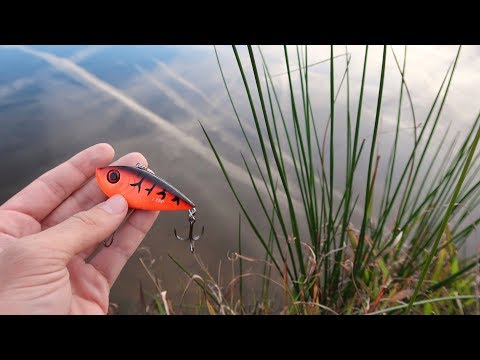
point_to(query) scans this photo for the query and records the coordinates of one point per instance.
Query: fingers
(17, 224)
(88, 195)
(84, 229)
(110, 261)
(48, 191)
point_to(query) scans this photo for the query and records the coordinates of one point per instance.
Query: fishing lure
(146, 191)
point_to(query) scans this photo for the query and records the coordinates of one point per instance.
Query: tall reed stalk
(404, 246)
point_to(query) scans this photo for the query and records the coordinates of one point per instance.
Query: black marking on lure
(150, 190)
(139, 184)
(177, 200)
(160, 182)
(163, 193)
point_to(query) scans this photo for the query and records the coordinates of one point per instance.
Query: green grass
(402, 256)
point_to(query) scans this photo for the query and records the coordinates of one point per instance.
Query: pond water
(58, 100)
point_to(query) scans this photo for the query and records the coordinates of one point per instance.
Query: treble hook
(191, 238)
(109, 242)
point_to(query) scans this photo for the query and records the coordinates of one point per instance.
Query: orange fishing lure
(145, 191)
(141, 188)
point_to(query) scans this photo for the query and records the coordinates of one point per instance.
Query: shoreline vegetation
(401, 257)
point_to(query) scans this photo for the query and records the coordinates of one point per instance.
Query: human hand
(49, 228)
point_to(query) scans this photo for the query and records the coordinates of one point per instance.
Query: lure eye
(113, 176)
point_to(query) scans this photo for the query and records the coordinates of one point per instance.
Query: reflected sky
(58, 100)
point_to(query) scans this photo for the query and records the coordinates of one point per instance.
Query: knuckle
(56, 187)
(138, 226)
(84, 219)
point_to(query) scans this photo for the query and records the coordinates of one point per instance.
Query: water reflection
(58, 100)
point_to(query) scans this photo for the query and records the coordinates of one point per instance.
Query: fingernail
(114, 205)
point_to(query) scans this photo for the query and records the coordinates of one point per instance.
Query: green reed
(404, 249)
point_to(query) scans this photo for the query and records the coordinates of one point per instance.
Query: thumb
(87, 228)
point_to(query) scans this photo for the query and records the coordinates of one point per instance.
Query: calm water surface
(58, 100)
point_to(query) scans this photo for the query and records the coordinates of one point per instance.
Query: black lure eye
(113, 176)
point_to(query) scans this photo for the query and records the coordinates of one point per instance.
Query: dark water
(58, 100)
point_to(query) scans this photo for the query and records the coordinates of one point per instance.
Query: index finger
(44, 194)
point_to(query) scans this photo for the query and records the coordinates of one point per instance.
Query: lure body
(141, 188)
